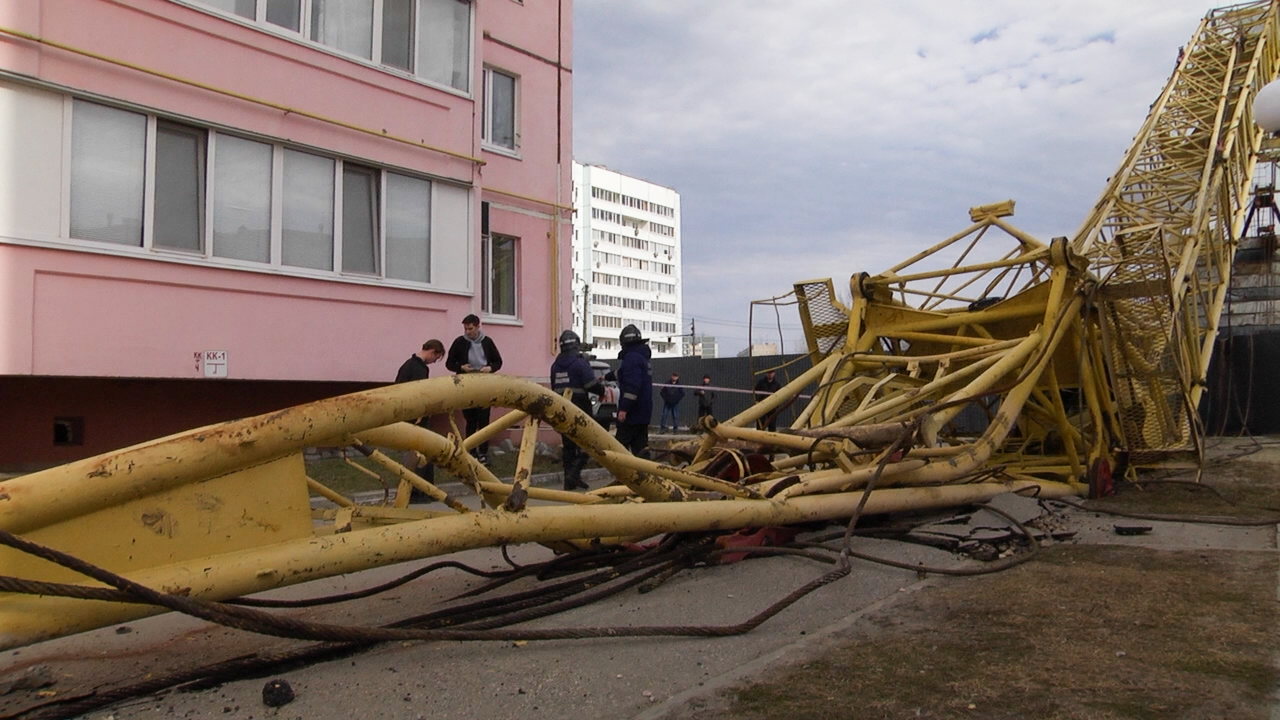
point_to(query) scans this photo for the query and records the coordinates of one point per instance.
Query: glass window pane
(408, 228)
(502, 98)
(243, 8)
(397, 33)
(359, 219)
(285, 13)
(108, 164)
(444, 42)
(307, 222)
(346, 25)
(179, 221)
(242, 199)
(499, 291)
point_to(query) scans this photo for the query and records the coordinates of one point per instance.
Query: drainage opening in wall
(68, 431)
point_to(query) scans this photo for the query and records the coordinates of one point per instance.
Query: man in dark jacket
(474, 352)
(672, 394)
(635, 387)
(572, 372)
(765, 387)
(706, 397)
(417, 367)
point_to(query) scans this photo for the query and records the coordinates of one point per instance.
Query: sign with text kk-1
(214, 362)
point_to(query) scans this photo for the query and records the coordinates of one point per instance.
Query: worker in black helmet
(635, 386)
(572, 372)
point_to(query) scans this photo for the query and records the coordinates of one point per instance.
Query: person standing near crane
(572, 372)
(635, 383)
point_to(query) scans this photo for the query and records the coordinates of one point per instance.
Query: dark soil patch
(1081, 632)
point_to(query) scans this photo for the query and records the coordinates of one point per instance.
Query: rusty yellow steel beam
(29, 619)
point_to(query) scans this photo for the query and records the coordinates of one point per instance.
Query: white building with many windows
(626, 260)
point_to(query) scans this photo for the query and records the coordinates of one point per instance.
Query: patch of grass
(1084, 632)
(338, 475)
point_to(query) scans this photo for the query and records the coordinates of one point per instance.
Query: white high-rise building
(626, 260)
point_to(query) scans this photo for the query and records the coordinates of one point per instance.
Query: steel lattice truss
(1163, 234)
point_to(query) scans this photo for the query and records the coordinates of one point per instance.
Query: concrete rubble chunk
(992, 535)
(984, 526)
(1023, 509)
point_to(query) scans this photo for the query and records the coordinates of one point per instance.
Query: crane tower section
(1162, 237)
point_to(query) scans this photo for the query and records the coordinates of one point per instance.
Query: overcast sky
(819, 138)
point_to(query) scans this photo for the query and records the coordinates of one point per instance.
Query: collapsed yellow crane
(991, 362)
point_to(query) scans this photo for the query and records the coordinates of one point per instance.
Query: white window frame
(486, 130)
(68, 165)
(303, 35)
(487, 283)
(274, 263)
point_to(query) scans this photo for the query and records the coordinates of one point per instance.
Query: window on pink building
(307, 211)
(241, 199)
(345, 25)
(180, 173)
(427, 38)
(285, 13)
(408, 228)
(360, 220)
(397, 34)
(219, 196)
(444, 42)
(499, 127)
(108, 165)
(498, 278)
(243, 8)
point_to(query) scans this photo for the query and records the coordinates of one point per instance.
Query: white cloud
(811, 138)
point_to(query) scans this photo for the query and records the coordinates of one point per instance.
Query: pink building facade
(216, 208)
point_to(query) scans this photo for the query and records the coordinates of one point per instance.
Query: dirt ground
(1082, 632)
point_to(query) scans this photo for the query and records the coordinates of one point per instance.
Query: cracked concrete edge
(756, 666)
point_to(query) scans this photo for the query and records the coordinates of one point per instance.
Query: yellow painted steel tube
(971, 458)
(443, 451)
(924, 391)
(77, 488)
(524, 466)
(979, 318)
(1010, 362)
(795, 443)
(877, 360)
(410, 479)
(333, 497)
(32, 619)
(501, 489)
(1030, 256)
(976, 454)
(784, 395)
(939, 246)
(488, 432)
(697, 480)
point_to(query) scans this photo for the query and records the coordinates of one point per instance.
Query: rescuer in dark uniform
(635, 383)
(571, 371)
